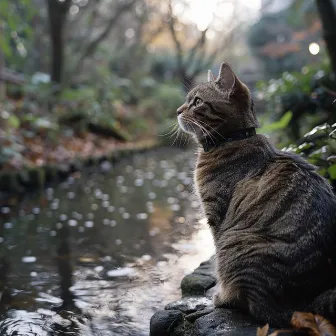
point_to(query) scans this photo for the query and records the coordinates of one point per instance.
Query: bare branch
(178, 45)
(91, 47)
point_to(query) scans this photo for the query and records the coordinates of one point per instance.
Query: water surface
(101, 252)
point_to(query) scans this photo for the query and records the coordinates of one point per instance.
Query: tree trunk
(57, 12)
(328, 18)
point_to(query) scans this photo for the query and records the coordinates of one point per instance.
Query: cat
(272, 216)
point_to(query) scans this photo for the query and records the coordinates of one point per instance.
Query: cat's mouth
(185, 125)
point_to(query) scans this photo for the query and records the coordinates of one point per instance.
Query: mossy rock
(109, 131)
(196, 284)
(10, 182)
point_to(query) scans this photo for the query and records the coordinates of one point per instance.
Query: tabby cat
(273, 218)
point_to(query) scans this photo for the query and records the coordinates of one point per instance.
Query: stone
(190, 304)
(197, 314)
(205, 269)
(196, 284)
(163, 322)
(226, 322)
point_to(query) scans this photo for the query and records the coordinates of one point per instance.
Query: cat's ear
(226, 78)
(211, 77)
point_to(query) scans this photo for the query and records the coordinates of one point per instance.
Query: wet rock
(163, 322)
(197, 314)
(225, 322)
(196, 284)
(190, 304)
(206, 268)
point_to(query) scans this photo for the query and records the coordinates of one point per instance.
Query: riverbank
(195, 315)
(31, 177)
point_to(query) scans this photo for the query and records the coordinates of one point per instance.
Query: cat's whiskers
(176, 133)
(172, 132)
(205, 130)
(202, 128)
(212, 128)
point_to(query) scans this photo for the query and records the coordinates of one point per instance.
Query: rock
(206, 268)
(163, 322)
(190, 304)
(226, 322)
(194, 316)
(196, 284)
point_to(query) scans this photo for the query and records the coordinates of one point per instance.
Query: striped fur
(273, 218)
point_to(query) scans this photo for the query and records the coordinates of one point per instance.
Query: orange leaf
(315, 325)
(263, 331)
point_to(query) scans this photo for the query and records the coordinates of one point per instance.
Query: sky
(202, 12)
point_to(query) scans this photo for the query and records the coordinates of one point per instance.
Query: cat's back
(288, 193)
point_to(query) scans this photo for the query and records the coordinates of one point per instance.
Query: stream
(102, 251)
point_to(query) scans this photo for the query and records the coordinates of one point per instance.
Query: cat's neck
(223, 167)
(236, 159)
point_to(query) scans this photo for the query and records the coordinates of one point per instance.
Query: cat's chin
(185, 126)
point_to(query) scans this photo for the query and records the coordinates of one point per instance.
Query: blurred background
(98, 219)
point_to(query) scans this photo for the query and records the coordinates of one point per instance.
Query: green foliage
(319, 148)
(290, 82)
(278, 125)
(297, 101)
(16, 30)
(164, 101)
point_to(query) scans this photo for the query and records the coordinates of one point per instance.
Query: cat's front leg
(225, 297)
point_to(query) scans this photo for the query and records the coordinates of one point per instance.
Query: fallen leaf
(263, 331)
(315, 325)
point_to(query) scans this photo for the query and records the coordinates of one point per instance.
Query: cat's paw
(220, 303)
(217, 300)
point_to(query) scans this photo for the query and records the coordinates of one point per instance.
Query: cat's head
(218, 107)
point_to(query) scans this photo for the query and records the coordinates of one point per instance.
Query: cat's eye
(198, 101)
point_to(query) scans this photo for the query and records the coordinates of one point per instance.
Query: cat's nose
(181, 109)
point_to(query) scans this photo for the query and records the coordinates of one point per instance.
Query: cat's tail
(270, 312)
(325, 305)
(267, 311)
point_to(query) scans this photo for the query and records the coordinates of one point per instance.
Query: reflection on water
(99, 254)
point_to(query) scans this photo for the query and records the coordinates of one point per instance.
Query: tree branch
(178, 45)
(91, 47)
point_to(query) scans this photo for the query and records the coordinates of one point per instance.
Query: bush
(319, 147)
(308, 96)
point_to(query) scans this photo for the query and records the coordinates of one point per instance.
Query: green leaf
(14, 121)
(278, 125)
(332, 171)
(4, 47)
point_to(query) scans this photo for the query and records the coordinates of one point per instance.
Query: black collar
(245, 133)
